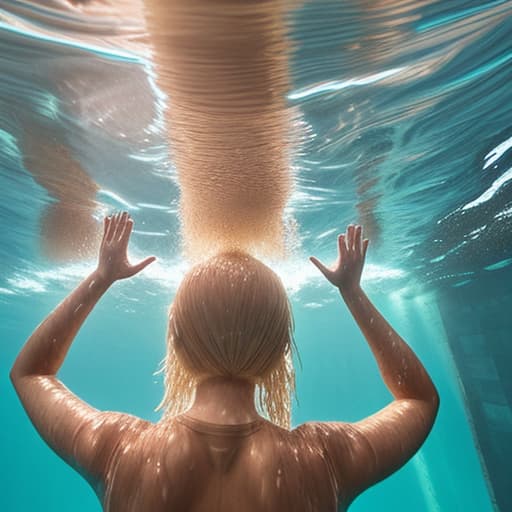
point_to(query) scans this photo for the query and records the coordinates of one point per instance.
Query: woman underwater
(229, 334)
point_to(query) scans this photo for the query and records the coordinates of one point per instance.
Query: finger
(135, 269)
(350, 237)
(325, 271)
(357, 239)
(115, 222)
(120, 225)
(111, 228)
(127, 230)
(365, 247)
(342, 246)
(123, 220)
(106, 223)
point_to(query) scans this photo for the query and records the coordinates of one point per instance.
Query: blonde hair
(231, 317)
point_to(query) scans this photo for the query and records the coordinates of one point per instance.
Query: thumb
(325, 271)
(135, 269)
(365, 247)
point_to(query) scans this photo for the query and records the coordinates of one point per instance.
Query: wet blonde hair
(231, 317)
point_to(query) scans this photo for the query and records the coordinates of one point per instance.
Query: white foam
(338, 85)
(295, 274)
(496, 153)
(489, 193)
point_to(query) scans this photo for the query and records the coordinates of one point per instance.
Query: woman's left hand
(113, 261)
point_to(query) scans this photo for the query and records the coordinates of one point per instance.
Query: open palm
(113, 261)
(346, 271)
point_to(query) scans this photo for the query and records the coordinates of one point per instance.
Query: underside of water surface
(392, 114)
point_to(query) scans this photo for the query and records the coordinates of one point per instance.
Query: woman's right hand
(345, 274)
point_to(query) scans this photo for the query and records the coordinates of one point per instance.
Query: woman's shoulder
(320, 428)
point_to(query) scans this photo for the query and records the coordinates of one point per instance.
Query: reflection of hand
(113, 261)
(346, 272)
(94, 4)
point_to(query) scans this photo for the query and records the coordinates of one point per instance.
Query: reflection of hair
(231, 317)
(69, 231)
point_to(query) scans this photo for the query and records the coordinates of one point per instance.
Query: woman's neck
(224, 400)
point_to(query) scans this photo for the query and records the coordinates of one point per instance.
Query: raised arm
(78, 433)
(369, 450)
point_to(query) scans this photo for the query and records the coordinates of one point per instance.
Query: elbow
(19, 370)
(436, 401)
(18, 380)
(13, 376)
(14, 380)
(431, 398)
(427, 409)
(434, 397)
(432, 406)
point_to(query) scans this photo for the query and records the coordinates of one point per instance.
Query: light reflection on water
(406, 119)
(406, 106)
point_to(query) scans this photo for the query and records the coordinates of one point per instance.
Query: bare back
(190, 465)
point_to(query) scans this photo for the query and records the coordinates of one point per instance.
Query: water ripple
(405, 109)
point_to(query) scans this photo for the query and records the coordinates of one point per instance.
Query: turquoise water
(111, 364)
(407, 109)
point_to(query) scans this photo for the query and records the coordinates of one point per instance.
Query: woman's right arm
(368, 451)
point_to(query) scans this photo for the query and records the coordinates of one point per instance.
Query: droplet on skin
(77, 309)
(92, 283)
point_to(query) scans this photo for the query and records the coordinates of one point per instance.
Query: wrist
(101, 279)
(350, 291)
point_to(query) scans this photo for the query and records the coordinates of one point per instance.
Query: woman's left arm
(80, 434)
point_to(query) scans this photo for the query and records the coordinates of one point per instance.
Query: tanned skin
(327, 464)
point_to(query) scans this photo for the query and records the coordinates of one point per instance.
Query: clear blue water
(408, 109)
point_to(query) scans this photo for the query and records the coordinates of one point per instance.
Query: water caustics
(393, 113)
